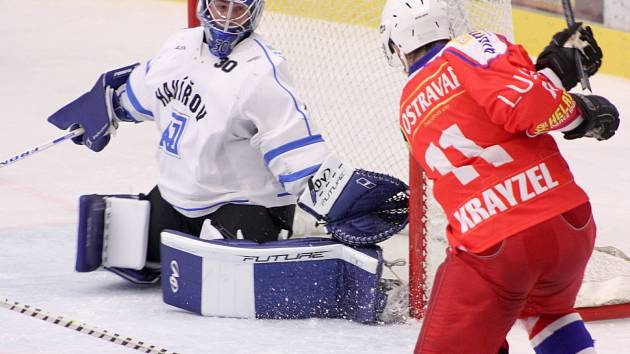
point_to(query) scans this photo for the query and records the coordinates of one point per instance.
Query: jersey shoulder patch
(478, 48)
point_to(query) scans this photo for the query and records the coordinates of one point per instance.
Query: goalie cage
(333, 50)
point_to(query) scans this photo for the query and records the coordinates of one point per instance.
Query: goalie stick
(33, 151)
(83, 328)
(569, 16)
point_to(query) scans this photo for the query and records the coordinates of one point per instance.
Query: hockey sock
(560, 334)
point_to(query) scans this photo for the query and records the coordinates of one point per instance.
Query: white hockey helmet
(412, 24)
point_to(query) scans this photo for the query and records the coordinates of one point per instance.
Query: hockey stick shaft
(33, 151)
(570, 17)
(109, 336)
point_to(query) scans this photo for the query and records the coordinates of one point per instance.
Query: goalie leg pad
(113, 231)
(90, 233)
(560, 334)
(287, 279)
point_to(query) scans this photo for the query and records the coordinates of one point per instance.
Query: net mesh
(335, 57)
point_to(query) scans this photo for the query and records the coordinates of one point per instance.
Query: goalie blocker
(287, 279)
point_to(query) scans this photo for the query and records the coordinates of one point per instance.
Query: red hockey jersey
(476, 115)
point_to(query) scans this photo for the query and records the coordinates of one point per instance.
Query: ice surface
(51, 52)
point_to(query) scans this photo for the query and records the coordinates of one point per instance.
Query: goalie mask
(227, 22)
(412, 24)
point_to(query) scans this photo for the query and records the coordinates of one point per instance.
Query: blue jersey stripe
(275, 76)
(128, 117)
(146, 71)
(135, 103)
(213, 205)
(273, 153)
(299, 174)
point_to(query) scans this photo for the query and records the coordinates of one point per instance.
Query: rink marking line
(104, 334)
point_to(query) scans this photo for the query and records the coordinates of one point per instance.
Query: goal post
(192, 13)
(418, 291)
(333, 52)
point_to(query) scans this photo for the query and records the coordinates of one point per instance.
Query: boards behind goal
(334, 55)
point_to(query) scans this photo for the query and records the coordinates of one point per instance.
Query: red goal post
(337, 68)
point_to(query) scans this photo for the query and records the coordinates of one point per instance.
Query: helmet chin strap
(405, 63)
(403, 59)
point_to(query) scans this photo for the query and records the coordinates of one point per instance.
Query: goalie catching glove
(358, 207)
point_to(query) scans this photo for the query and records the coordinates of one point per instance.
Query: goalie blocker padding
(113, 232)
(289, 279)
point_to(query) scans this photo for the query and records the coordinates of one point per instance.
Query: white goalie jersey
(232, 130)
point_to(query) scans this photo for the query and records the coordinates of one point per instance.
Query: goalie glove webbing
(373, 216)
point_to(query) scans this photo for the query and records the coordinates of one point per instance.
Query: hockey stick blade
(103, 334)
(33, 151)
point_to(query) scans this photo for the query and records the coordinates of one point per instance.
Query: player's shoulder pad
(478, 47)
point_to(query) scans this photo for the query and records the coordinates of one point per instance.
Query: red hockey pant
(476, 298)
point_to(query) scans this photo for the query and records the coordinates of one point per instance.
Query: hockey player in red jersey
(477, 113)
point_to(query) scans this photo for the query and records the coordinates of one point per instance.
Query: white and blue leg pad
(288, 279)
(113, 232)
(564, 335)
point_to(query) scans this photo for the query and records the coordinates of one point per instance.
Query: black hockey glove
(601, 118)
(559, 55)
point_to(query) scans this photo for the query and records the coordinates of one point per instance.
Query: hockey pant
(476, 298)
(253, 222)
